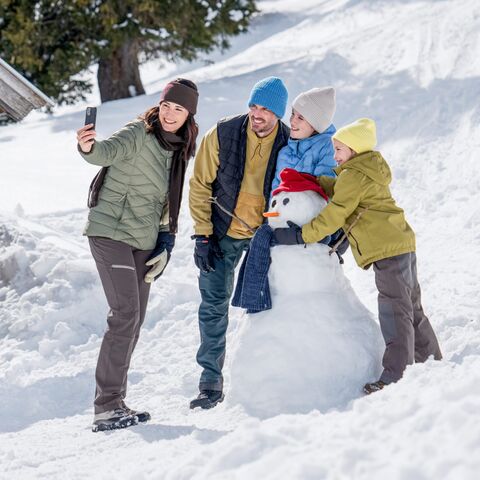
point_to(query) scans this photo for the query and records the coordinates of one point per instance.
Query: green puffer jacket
(133, 200)
(362, 186)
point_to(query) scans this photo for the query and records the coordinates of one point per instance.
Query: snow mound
(49, 292)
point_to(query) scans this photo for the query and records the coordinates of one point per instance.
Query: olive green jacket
(362, 185)
(133, 201)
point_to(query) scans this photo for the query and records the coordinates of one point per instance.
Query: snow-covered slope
(413, 66)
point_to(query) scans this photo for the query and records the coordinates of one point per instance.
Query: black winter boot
(207, 399)
(373, 387)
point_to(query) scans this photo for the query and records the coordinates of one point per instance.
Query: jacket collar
(371, 164)
(299, 147)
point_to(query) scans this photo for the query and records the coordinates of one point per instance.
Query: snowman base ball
(316, 347)
(318, 344)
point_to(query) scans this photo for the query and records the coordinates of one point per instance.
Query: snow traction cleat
(114, 424)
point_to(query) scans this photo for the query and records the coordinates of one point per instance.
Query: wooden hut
(18, 96)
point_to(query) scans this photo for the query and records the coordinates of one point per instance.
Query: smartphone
(91, 116)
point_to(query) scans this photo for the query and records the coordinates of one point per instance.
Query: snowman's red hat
(293, 181)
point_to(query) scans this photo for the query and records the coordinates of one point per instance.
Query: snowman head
(298, 199)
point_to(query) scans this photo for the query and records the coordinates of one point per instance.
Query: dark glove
(206, 249)
(326, 240)
(160, 256)
(288, 236)
(343, 247)
(165, 241)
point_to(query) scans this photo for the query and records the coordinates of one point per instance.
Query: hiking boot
(207, 399)
(113, 420)
(142, 416)
(373, 387)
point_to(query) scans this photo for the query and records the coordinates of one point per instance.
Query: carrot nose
(271, 214)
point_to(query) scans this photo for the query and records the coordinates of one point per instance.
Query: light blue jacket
(312, 155)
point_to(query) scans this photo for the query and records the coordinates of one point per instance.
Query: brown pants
(406, 330)
(121, 269)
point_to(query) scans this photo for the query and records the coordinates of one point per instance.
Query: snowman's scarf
(253, 291)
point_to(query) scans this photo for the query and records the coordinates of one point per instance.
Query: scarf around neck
(173, 143)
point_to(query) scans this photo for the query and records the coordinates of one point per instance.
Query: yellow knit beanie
(360, 136)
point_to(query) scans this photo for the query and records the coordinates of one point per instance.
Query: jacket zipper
(124, 201)
(358, 246)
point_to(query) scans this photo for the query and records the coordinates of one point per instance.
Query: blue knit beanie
(270, 93)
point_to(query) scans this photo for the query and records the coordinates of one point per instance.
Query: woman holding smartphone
(131, 229)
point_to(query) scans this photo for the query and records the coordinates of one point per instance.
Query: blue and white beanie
(270, 93)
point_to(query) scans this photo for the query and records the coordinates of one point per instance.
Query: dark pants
(121, 269)
(406, 330)
(216, 288)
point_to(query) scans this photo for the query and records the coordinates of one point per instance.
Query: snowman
(318, 344)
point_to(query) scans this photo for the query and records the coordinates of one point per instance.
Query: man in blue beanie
(235, 164)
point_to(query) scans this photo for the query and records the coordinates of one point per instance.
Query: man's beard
(262, 127)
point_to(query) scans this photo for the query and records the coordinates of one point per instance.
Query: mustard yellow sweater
(251, 202)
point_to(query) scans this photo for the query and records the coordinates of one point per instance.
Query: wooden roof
(18, 96)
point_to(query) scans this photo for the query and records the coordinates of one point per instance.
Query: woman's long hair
(188, 131)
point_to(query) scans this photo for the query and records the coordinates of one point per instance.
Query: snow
(412, 65)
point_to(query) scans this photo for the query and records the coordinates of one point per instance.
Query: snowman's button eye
(286, 200)
(274, 203)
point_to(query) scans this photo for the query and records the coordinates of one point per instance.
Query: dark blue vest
(232, 140)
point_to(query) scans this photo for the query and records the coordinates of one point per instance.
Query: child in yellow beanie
(362, 204)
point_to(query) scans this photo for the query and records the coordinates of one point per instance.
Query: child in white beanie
(379, 235)
(309, 148)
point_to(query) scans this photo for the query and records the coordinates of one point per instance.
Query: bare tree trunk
(119, 76)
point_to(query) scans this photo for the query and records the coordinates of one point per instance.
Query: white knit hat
(317, 107)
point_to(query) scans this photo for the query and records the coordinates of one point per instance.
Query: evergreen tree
(49, 42)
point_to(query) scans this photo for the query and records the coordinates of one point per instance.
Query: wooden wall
(17, 95)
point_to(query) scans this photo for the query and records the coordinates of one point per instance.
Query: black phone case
(91, 116)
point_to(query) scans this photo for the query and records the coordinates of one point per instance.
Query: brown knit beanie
(183, 92)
